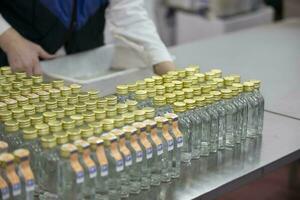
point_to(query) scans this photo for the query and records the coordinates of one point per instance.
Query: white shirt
(131, 28)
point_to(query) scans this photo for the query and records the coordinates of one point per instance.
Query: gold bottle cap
(139, 115)
(256, 83)
(36, 119)
(209, 98)
(76, 88)
(6, 86)
(150, 82)
(54, 93)
(178, 84)
(112, 100)
(70, 110)
(6, 116)
(10, 77)
(187, 83)
(78, 119)
(161, 121)
(93, 94)
(65, 91)
(200, 101)
(179, 107)
(88, 116)
(149, 112)
(190, 71)
(140, 126)
(219, 81)
(122, 108)
(21, 155)
(206, 89)
(46, 86)
(239, 86)
(170, 87)
(80, 107)
(228, 80)
(181, 74)
(68, 123)
(188, 93)
(83, 97)
(99, 114)
(72, 100)
(226, 93)
(132, 105)
(217, 72)
(22, 101)
(17, 84)
(160, 101)
(132, 87)
(179, 95)
(11, 103)
(195, 67)
(60, 113)
(119, 133)
(111, 111)
(18, 113)
(151, 92)
(91, 105)
(190, 103)
(81, 145)
(141, 85)
(3, 146)
(234, 91)
(171, 117)
(248, 86)
(158, 80)
(33, 98)
(49, 116)
(194, 80)
(74, 134)
(173, 74)
(197, 90)
(160, 89)
(61, 137)
(108, 139)
(236, 78)
(170, 98)
(128, 118)
(51, 104)
(108, 124)
(42, 129)
(119, 121)
(102, 103)
(20, 75)
(217, 95)
(141, 95)
(167, 78)
(35, 88)
(14, 93)
(40, 107)
(213, 85)
(66, 150)
(55, 126)
(97, 127)
(29, 133)
(3, 95)
(122, 89)
(3, 107)
(95, 142)
(48, 141)
(129, 130)
(24, 122)
(58, 83)
(37, 78)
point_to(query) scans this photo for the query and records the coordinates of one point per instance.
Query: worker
(35, 30)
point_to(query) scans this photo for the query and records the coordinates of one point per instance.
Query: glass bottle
(25, 174)
(184, 124)
(4, 117)
(127, 158)
(4, 189)
(230, 117)
(12, 135)
(261, 106)
(148, 154)
(141, 98)
(137, 158)
(116, 166)
(178, 143)
(161, 106)
(122, 93)
(168, 146)
(49, 168)
(8, 172)
(71, 174)
(99, 156)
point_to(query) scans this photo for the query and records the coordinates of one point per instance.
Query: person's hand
(22, 54)
(164, 67)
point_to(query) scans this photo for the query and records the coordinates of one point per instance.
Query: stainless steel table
(270, 53)
(219, 173)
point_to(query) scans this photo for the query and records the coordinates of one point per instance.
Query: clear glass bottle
(147, 152)
(127, 158)
(261, 104)
(89, 168)
(178, 143)
(137, 158)
(142, 99)
(4, 117)
(116, 166)
(12, 135)
(8, 172)
(71, 174)
(161, 106)
(49, 168)
(99, 156)
(185, 127)
(122, 93)
(230, 117)
(25, 173)
(168, 146)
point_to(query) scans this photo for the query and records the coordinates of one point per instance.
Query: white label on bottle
(139, 156)
(30, 185)
(170, 145)
(93, 172)
(5, 193)
(160, 149)
(16, 189)
(128, 160)
(179, 142)
(149, 153)
(79, 177)
(104, 170)
(119, 166)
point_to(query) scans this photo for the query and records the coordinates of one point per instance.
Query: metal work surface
(211, 176)
(269, 53)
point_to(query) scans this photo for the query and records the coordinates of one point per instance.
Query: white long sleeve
(131, 26)
(3, 25)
